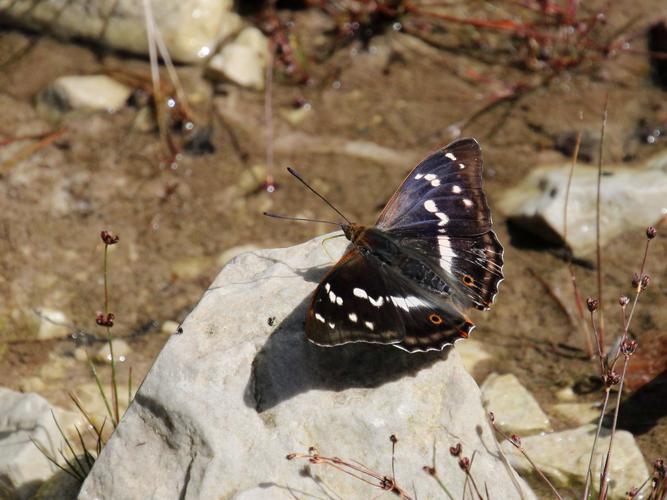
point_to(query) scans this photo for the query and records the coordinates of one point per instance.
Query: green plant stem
(114, 382)
(589, 473)
(597, 226)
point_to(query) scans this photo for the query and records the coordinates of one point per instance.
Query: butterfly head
(352, 231)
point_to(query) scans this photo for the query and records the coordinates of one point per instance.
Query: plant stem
(114, 382)
(595, 442)
(597, 225)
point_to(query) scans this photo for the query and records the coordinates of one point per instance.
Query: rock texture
(244, 60)
(563, 457)
(240, 388)
(631, 198)
(190, 28)
(26, 417)
(94, 92)
(515, 408)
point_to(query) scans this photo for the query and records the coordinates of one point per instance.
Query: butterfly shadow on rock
(288, 364)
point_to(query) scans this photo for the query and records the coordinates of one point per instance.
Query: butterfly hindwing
(347, 306)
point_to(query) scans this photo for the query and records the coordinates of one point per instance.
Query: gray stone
(578, 413)
(26, 417)
(631, 198)
(515, 409)
(563, 457)
(241, 387)
(190, 28)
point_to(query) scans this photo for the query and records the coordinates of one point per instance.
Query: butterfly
(407, 280)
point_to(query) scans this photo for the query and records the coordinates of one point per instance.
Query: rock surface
(190, 28)
(244, 60)
(24, 417)
(515, 408)
(631, 198)
(240, 388)
(563, 457)
(95, 92)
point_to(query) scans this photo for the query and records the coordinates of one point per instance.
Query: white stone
(515, 409)
(24, 417)
(190, 28)
(169, 327)
(631, 198)
(578, 413)
(95, 92)
(231, 253)
(244, 60)
(52, 324)
(121, 351)
(563, 457)
(241, 387)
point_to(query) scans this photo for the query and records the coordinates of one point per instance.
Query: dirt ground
(175, 221)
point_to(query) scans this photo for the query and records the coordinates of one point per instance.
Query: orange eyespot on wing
(436, 319)
(468, 280)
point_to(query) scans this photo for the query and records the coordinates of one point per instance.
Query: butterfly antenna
(276, 216)
(300, 179)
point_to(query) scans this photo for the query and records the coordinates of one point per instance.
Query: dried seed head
(516, 440)
(291, 456)
(103, 320)
(651, 232)
(492, 417)
(464, 463)
(456, 449)
(393, 439)
(109, 238)
(645, 281)
(612, 378)
(623, 300)
(592, 304)
(660, 468)
(429, 470)
(628, 347)
(635, 280)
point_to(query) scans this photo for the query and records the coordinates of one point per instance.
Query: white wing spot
(332, 325)
(332, 297)
(467, 202)
(443, 218)
(419, 176)
(446, 253)
(435, 183)
(430, 177)
(450, 156)
(400, 302)
(369, 325)
(456, 189)
(318, 317)
(339, 301)
(327, 287)
(353, 317)
(430, 206)
(360, 292)
(376, 303)
(462, 166)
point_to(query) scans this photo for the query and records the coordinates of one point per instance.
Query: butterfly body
(432, 254)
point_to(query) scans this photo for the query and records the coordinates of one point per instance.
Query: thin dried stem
(597, 225)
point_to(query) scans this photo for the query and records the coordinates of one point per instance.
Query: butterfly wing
(347, 306)
(441, 211)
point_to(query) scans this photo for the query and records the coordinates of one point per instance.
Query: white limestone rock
(563, 457)
(24, 417)
(244, 60)
(92, 92)
(579, 413)
(515, 409)
(241, 387)
(190, 28)
(631, 198)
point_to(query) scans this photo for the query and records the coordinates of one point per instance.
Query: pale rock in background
(92, 92)
(563, 457)
(515, 409)
(24, 417)
(241, 387)
(243, 61)
(630, 198)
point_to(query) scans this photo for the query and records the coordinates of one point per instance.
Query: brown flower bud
(456, 449)
(628, 347)
(464, 463)
(651, 232)
(635, 280)
(623, 300)
(645, 281)
(592, 304)
(109, 238)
